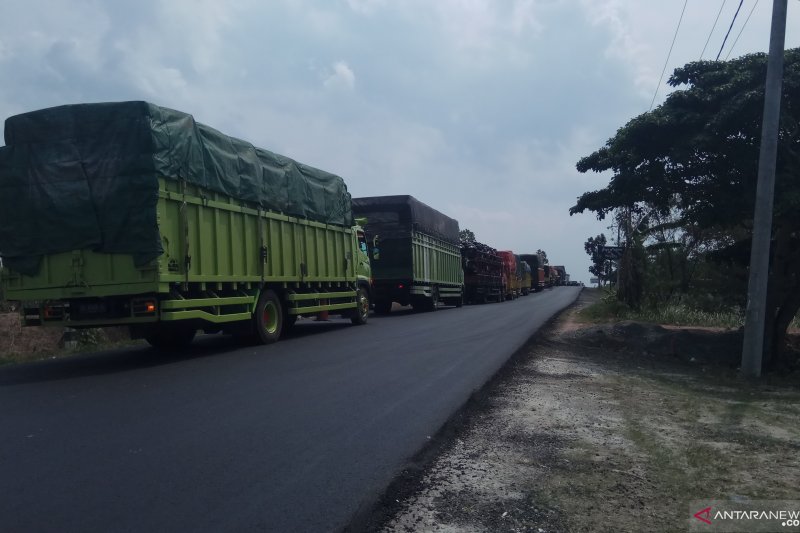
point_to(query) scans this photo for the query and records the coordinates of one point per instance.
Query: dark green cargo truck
(133, 214)
(415, 253)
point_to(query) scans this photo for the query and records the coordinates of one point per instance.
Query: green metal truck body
(410, 264)
(226, 265)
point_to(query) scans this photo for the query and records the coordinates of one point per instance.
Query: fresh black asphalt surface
(297, 436)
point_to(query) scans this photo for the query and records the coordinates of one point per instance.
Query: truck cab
(363, 267)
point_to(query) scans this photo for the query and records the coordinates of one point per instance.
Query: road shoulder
(572, 436)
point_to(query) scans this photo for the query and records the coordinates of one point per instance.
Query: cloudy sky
(479, 108)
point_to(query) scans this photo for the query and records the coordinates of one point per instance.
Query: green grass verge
(608, 308)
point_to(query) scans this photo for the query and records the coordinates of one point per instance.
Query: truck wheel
(268, 318)
(361, 312)
(459, 301)
(433, 303)
(383, 307)
(170, 337)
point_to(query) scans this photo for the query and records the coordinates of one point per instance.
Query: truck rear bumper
(405, 292)
(88, 312)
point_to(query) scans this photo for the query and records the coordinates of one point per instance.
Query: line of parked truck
(133, 214)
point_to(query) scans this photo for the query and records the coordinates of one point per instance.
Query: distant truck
(527, 278)
(512, 273)
(538, 282)
(563, 277)
(415, 253)
(133, 214)
(550, 276)
(483, 273)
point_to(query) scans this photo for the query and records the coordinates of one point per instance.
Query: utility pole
(753, 346)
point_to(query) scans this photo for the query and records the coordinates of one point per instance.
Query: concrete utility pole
(753, 346)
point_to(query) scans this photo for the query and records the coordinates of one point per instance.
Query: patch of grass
(698, 455)
(734, 413)
(684, 315)
(608, 308)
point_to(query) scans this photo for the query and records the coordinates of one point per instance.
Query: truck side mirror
(376, 252)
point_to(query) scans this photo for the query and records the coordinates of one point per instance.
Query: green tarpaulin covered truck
(416, 254)
(133, 214)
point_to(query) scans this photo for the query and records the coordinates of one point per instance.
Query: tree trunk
(783, 295)
(786, 312)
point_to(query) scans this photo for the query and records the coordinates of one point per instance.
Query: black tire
(268, 318)
(361, 312)
(383, 307)
(433, 303)
(459, 302)
(170, 336)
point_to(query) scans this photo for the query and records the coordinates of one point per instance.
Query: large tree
(697, 155)
(595, 248)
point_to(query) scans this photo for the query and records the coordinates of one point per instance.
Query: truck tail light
(144, 307)
(52, 311)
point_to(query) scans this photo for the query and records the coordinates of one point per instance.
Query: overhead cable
(729, 29)
(668, 54)
(741, 30)
(713, 28)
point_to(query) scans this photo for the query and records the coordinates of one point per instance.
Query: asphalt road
(297, 436)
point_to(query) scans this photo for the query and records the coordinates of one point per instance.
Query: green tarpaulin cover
(86, 176)
(396, 216)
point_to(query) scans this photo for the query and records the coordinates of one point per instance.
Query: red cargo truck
(513, 279)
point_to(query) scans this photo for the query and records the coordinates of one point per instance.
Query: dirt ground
(18, 343)
(605, 428)
(24, 344)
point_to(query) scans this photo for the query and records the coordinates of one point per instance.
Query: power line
(669, 54)
(713, 28)
(729, 28)
(741, 30)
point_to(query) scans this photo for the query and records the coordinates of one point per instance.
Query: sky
(479, 108)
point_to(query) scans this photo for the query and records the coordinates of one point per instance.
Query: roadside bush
(608, 307)
(678, 313)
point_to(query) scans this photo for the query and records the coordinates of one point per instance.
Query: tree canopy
(695, 159)
(698, 151)
(466, 236)
(595, 248)
(543, 254)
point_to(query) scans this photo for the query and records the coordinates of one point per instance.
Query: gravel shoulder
(603, 428)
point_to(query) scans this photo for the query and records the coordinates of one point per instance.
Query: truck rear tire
(432, 303)
(361, 312)
(268, 318)
(459, 302)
